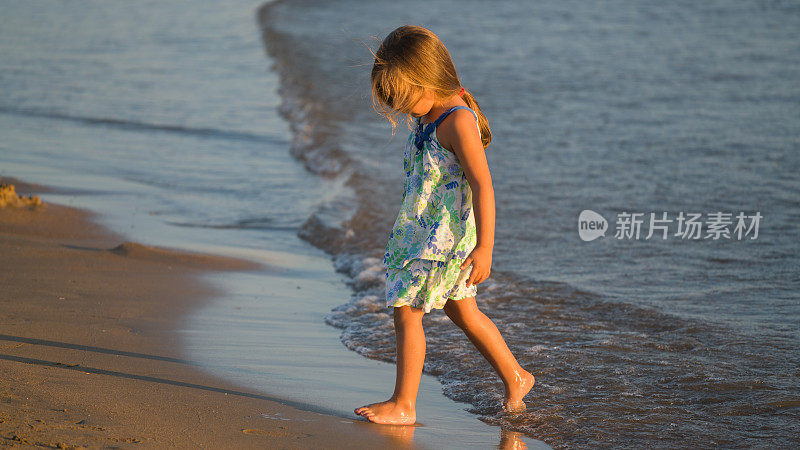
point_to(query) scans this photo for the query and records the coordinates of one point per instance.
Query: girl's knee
(461, 311)
(408, 313)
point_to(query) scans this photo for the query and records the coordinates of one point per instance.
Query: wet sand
(90, 356)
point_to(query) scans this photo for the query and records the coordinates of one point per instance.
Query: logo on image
(718, 225)
(591, 225)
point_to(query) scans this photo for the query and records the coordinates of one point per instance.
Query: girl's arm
(465, 141)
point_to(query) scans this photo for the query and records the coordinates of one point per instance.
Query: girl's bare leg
(487, 339)
(400, 409)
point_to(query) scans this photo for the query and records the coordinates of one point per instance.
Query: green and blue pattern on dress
(436, 222)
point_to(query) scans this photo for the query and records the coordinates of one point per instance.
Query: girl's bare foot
(389, 412)
(514, 393)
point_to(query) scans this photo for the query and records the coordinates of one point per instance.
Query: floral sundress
(435, 229)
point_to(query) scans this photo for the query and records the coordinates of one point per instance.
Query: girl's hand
(481, 260)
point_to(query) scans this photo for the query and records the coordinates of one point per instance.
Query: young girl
(437, 253)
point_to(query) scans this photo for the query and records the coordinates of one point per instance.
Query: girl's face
(424, 105)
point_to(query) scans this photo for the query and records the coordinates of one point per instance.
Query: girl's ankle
(404, 403)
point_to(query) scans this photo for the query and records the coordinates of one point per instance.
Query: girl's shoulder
(461, 124)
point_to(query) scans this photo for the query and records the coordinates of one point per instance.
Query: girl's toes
(363, 411)
(515, 407)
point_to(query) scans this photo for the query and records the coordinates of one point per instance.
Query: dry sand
(89, 356)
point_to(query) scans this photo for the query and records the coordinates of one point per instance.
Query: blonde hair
(410, 59)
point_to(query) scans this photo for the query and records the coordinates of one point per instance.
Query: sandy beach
(89, 356)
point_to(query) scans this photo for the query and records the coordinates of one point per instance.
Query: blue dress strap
(447, 113)
(423, 135)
